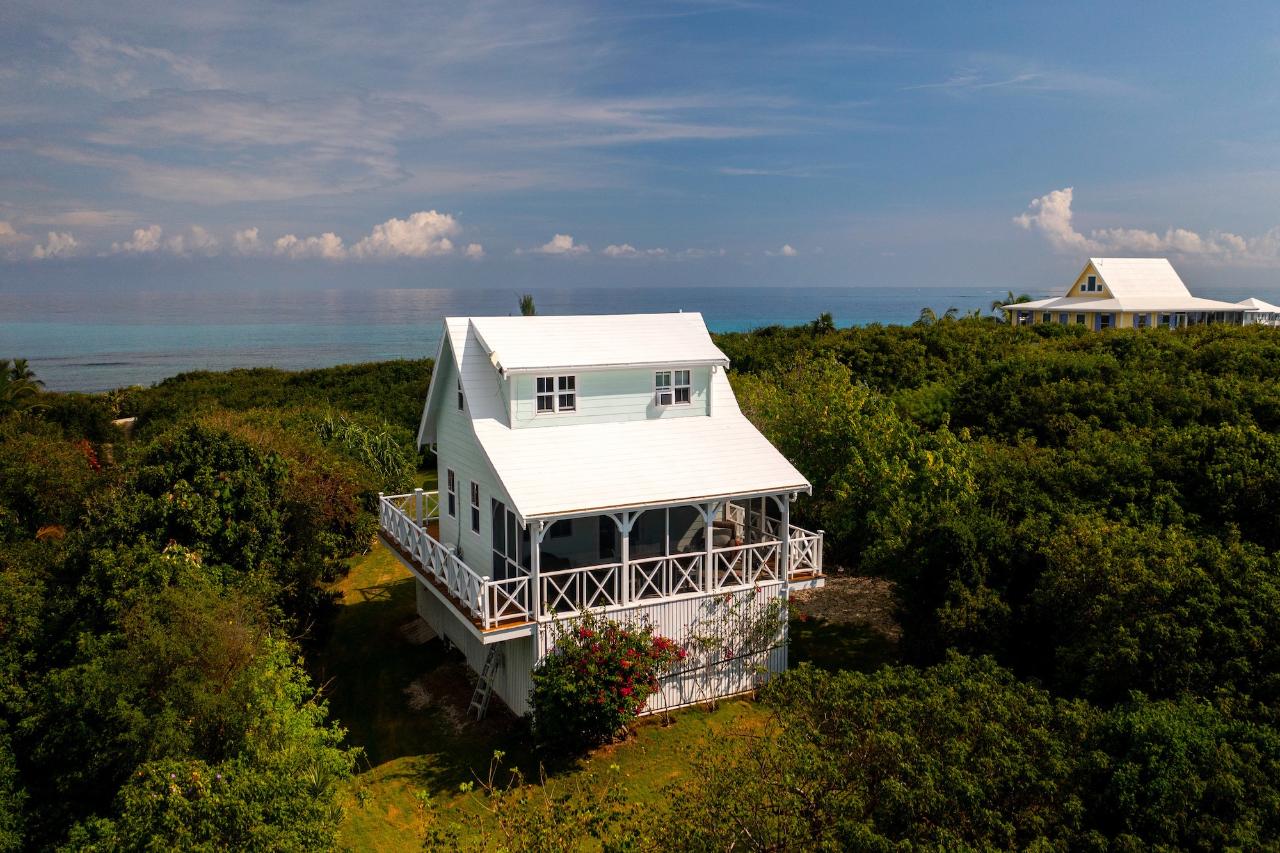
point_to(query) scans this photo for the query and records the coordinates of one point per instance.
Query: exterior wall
(1084, 277)
(457, 449)
(514, 679)
(609, 396)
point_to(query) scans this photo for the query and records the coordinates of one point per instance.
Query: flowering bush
(597, 679)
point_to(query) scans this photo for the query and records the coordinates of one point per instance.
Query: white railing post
(535, 570)
(708, 512)
(382, 511)
(818, 551)
(484, 600)
(784, 554)
(417, 506)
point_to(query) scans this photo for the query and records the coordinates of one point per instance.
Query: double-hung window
(452, 481)
(462, 401)
(557, 394)
(475, 507)
(671, 387)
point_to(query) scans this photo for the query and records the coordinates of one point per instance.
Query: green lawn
(424, 743)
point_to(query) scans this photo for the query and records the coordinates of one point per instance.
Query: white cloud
(144, 241)
(785, 252)
(59, 245)
(562, 244)
(246, 242)
(474, 251)
(1051, 216)
(328, 246)
(424, 233)
(626, 250)
(10, 235)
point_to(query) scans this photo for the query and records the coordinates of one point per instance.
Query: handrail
(491, 602)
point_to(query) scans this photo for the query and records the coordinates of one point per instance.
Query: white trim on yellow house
(1128, 293)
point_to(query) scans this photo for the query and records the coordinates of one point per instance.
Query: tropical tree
(19, 387)
(526, 305)
(823, 324)
(927, 317)
(1009, 299)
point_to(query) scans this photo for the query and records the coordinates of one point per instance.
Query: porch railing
(405, 519)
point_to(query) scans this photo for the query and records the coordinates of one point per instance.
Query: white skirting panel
(713, 670)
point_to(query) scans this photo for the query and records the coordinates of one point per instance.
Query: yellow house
(1124, 293)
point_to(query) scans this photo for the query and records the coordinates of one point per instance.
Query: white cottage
(583, 461)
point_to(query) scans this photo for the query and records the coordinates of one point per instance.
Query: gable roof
(587, 467)
(1134, 284)
(1252, 304)
(525, 344)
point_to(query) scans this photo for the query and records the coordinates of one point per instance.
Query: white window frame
(462, 400)
(451, 492)
(1091, 285)
(672, 384)
(475, 507)
(559, 391)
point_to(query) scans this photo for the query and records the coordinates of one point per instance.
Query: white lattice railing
(404, 519)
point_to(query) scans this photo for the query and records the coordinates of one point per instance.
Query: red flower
(626, 691)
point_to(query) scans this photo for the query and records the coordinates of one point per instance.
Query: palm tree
(526, 305)
(952, 314)
(823, 324)
(927, 317)
(1009, 299)
(19, 388)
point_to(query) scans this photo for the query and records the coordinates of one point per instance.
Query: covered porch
(610, 559)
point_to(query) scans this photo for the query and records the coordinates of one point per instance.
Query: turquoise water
(79, 341)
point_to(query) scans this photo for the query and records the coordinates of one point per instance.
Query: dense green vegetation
(1082, 529)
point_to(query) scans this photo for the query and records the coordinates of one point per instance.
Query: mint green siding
(457, 449)
(609, 396)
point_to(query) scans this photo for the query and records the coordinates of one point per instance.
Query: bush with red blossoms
(597, 679)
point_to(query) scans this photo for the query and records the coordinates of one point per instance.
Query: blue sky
(696, 143)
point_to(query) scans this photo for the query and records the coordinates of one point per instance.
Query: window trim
(451, 490)
(462, 399)
(668, 393)
(475, 507)
(558, 385)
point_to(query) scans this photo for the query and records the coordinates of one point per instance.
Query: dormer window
(1091, 285)
(671, 388)
(557, 394)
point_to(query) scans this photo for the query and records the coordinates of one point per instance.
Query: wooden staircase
(493, 662)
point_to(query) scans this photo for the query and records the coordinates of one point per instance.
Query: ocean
(95, 341)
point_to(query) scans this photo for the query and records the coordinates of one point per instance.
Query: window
(1104, 321)
(461, 400)
(662, 395)
(452, 482)
(683, 391)
(1091, 285)
(557, 394)
(1046, 317)
(475, 507)
(1079, 319)
(562, 529)
(1064, 319)
(1164, 320)
(1140, 321)
(567, 398)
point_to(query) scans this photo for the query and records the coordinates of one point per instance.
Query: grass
(367, 664)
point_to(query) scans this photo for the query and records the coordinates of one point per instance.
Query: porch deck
(409, 526)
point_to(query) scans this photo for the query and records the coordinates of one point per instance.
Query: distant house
(1260, 313)
(596, 462)
(1124, 293)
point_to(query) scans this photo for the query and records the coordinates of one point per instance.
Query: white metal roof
(585, 468)
(607, 340)
(1133, 284)
(1252, 304)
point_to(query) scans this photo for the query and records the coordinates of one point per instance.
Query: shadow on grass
(839, 645)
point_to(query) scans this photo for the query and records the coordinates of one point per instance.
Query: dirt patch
(447, 690)
(417, 631)
(847, 600)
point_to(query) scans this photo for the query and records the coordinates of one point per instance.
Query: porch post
(417, 506)
(535, 569)
(708, 512)
(625, 521)
(785, 555)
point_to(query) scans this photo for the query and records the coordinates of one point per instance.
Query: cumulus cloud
(785, 252)
(626, 250)
(423, 234)
(328, 246)
(1050, 216)
(10, 235)
(562, 244)
(246, 242)
(474, 251)
(59, 245)
(144, 241)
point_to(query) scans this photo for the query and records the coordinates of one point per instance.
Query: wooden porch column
(785, 548)
(537, 531)
(625, 521)
(708, 512)
(417, 507)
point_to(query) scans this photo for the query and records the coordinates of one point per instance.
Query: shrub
(597, 679)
